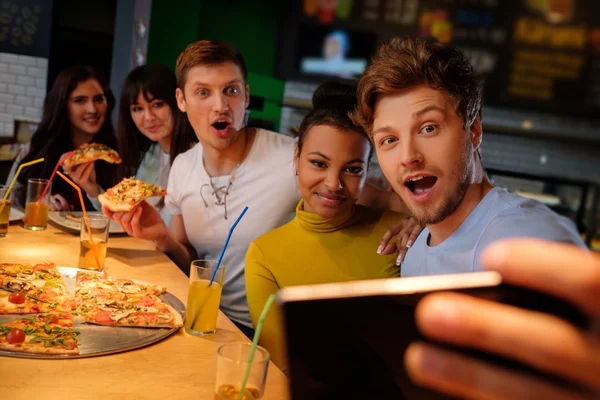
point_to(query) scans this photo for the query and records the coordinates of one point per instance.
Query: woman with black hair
(332, 238)
(151, 130)
(76, 111)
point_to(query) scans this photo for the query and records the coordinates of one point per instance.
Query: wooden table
(179, 367)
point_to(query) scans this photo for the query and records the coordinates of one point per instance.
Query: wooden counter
(179, 367)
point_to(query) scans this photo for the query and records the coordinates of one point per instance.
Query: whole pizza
(98, 299)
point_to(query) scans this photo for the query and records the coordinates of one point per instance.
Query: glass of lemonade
(99, 227)
(36, 208)
(232, 360)
(203, 300)
(4, 210)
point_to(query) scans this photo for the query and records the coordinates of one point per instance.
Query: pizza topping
(15, 336)
(116, 316)
(18, 284)
(103, 318)
(165, 317)
(128, 287)
(43, 267)
(11, 270)
(27, 270)
(146, 301)
(16, 298)
(38, 282)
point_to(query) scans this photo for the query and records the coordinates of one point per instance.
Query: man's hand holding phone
(544, 342)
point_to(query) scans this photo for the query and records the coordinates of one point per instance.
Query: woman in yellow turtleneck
(331, 239)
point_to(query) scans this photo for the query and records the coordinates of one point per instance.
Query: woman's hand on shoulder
(406, 232)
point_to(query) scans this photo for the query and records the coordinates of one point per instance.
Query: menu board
(25, 27)
(541, 55)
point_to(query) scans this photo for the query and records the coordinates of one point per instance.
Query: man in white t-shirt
(231, 167)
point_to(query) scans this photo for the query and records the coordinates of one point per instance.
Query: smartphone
(347, 340)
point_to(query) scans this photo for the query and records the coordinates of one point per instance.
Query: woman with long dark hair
(77, 111)
(151, 130)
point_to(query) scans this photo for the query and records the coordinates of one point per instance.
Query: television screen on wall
(333, 52)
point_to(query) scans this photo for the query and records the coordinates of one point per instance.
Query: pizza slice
(33, 289)
(119, 309)
(128, 193)
(92, 152)
(93, 282)
(51, 333)
(108, 300)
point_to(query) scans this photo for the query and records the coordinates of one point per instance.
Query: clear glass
(36, 209)
(4, 210)
(203, 300)
(232, 360)
(92, 256)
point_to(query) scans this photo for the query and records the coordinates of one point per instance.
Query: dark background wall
(252, 28)
(82, 33)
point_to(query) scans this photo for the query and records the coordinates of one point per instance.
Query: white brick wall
(22, 89)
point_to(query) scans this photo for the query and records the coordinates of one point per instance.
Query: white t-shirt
(265, 182)
(499, 215)
(157, 173)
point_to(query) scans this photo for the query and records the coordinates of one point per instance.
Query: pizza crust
(34, 349)
(114, 206)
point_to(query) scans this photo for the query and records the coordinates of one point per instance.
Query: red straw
(85, 219)
(58, 164)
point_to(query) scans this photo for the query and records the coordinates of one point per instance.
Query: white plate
(15, 215)
(70, 220)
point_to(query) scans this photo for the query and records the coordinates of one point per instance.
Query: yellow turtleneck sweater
(309, 250)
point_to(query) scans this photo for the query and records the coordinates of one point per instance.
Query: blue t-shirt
(499, 215)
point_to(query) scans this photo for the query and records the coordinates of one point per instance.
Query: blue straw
(225, 245)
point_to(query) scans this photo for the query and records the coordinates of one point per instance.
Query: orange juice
(231, 392)
(36, 216)
(202, 307)
(87, 259)
(4, 216)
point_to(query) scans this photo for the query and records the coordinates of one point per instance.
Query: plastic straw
(259, 325)
(12, 183)
(86, 219)
(58, 164)
(225, 245)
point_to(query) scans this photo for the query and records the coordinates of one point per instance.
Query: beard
(460, 178)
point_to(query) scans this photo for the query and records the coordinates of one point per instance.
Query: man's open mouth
(420, 184)
(220, 125)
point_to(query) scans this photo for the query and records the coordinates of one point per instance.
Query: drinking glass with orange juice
(92, 251)
(4, 210)
(203, 299)
(36, 206)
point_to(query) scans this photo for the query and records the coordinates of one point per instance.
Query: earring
(296, 173)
